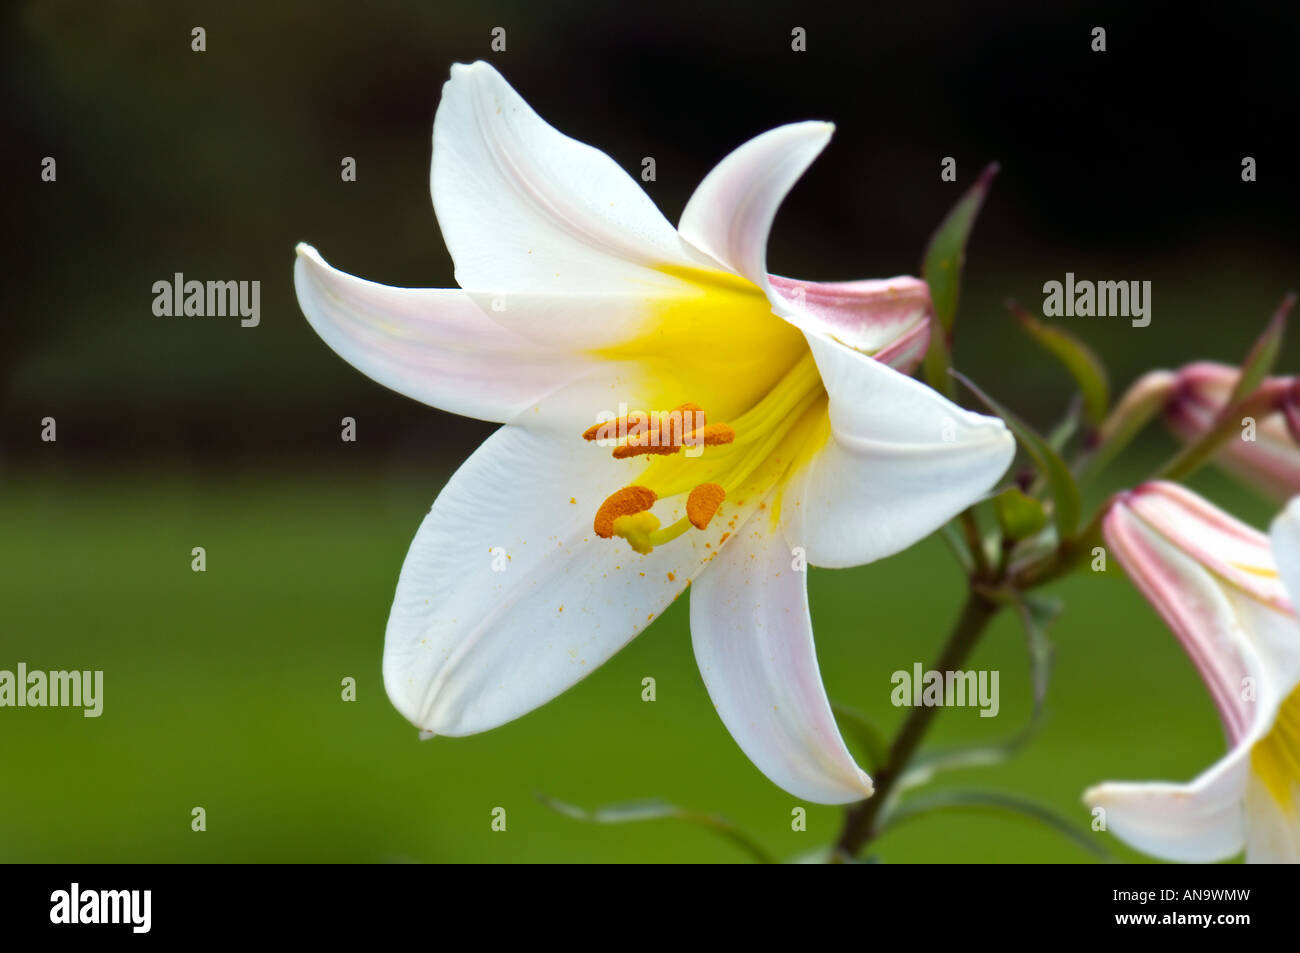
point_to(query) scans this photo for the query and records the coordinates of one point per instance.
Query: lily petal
(731, 212)
(438, 347)
(1272, 836)
(899, 461)
(1239, 554)
(1214, 582)
(886, 318)
(469, 648)
(1282, 648)
(1200, 822)
(1194, 606)
(524, 208)
(753, 641)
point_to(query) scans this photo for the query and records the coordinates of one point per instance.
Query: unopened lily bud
(1266, 453)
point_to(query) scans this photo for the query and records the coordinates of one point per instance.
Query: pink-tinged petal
(1226, 807)
(731, 212)
(1270, 462)
(507, 597)
(1188, 559)
(525, 209)
(1237, 553)
(908, 351)
(438, 347)
(898, 462)
(887, 318)
(1213, 816)
(753, 642)
(1193, 605)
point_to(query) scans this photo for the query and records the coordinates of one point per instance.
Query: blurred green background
(223, 688)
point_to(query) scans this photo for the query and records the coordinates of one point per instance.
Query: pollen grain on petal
(703, 503)
(624, 502)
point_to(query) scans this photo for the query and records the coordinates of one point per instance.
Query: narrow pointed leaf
(1263, 354)
(946, 254)
(657, 810)
(1037, 613)
(941, 269)
(1084, 365)
(997, 803)
(1067, 426)
(1065, 494)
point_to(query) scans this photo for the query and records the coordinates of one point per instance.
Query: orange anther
(703, 503)
(711, 436)
(624, 502)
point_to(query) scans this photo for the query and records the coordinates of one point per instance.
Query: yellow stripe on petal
(1275, 758)
(1264, 572)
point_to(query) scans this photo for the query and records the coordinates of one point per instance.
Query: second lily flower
(1229, 594)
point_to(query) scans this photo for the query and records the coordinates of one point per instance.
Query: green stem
(861, 819)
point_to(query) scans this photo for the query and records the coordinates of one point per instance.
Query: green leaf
(1020, 516)
(945, 257)
(1037, 613)
(657, 810)
(938, 358)
(997, 803)
(946, 254)
(1084, 365)
(871, 741)
(1067, 426)
(1065, 494)
(927, 766)
(1263, 354)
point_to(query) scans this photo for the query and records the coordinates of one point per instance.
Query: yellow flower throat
(703, 460)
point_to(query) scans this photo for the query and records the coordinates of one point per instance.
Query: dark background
(222, 687)
(1116, 165)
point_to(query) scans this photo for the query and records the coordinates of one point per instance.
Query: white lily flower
(576, 297)
(1228, 593)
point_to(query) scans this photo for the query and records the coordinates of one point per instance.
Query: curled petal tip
(868, 788)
